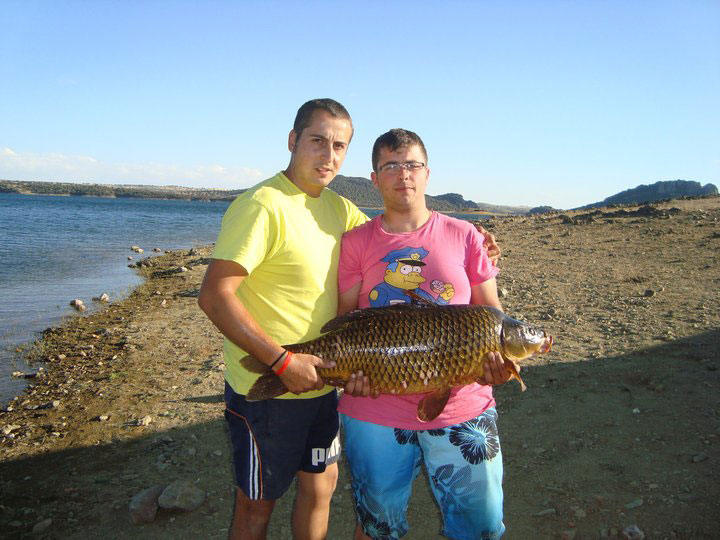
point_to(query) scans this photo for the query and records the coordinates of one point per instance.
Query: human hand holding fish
(495, 370)
(301, 373)
(359, 386)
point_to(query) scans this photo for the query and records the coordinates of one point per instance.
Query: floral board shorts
(464, 464)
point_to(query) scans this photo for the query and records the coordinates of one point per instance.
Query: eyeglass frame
(396, 167)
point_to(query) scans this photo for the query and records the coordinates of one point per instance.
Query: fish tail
(267, 386)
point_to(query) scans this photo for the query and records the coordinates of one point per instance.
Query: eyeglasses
(395, 168)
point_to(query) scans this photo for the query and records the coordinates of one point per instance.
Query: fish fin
(433, 404)
(254, 365)
(359, 314)
(267, 386)
(339, 322)
(515, 374)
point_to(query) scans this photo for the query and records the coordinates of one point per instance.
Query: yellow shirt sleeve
(355, 216)
(245, 235)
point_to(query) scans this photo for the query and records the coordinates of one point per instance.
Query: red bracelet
(285, 364)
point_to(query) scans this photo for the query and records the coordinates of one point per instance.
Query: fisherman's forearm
(235, 322)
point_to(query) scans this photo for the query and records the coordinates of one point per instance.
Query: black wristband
(278, 358)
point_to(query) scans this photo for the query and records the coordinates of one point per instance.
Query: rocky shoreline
(619, 426)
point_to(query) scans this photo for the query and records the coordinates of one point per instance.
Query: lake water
(55, 249)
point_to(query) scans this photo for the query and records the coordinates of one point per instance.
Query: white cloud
(55, 167)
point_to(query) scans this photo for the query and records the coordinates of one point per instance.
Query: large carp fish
(412, 348)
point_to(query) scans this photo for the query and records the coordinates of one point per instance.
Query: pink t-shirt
(440, 261)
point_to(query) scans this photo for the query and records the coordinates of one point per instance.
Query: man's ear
(292, 139)
(373, 177)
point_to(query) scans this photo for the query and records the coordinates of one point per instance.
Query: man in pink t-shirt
(443, 260)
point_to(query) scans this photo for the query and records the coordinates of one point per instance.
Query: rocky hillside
(658, 191)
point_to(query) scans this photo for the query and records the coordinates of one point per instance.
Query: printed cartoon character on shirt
(404, 273)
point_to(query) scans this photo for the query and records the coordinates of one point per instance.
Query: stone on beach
(78, 304)
(182, 495)
(42, 526)
(633, 532)
(102, 298)
(23, 375)
(136, 249)
(144, 505)
(144, 421)
(6, 430)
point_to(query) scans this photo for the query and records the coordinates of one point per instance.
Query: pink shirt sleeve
(479, 266)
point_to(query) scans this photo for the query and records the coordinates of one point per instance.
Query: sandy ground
(619, 425)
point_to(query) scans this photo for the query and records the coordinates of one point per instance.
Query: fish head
(521, 340)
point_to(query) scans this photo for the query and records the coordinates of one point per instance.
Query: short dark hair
(393, 140)
(305, 112)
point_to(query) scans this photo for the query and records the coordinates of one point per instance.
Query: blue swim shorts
(464, 464)
(274, 439)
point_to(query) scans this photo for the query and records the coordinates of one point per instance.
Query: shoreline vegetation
(619, 428)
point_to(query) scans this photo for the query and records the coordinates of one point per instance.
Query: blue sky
(518, 102)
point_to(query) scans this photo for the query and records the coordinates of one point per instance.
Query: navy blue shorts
(274, 439)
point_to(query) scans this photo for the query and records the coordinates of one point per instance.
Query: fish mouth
(546, 345)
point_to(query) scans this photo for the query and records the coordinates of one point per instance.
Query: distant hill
(658, 191)
(541, 210)
(362, 192)
(358, 189)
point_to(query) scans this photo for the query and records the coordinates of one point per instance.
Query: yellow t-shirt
(289, 243)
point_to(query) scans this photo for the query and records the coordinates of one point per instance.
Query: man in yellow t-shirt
(273, 281)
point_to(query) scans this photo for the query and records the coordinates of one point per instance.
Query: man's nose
(327, 152)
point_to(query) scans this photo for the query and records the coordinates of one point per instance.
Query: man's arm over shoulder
(218, 300)
(493, 249)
